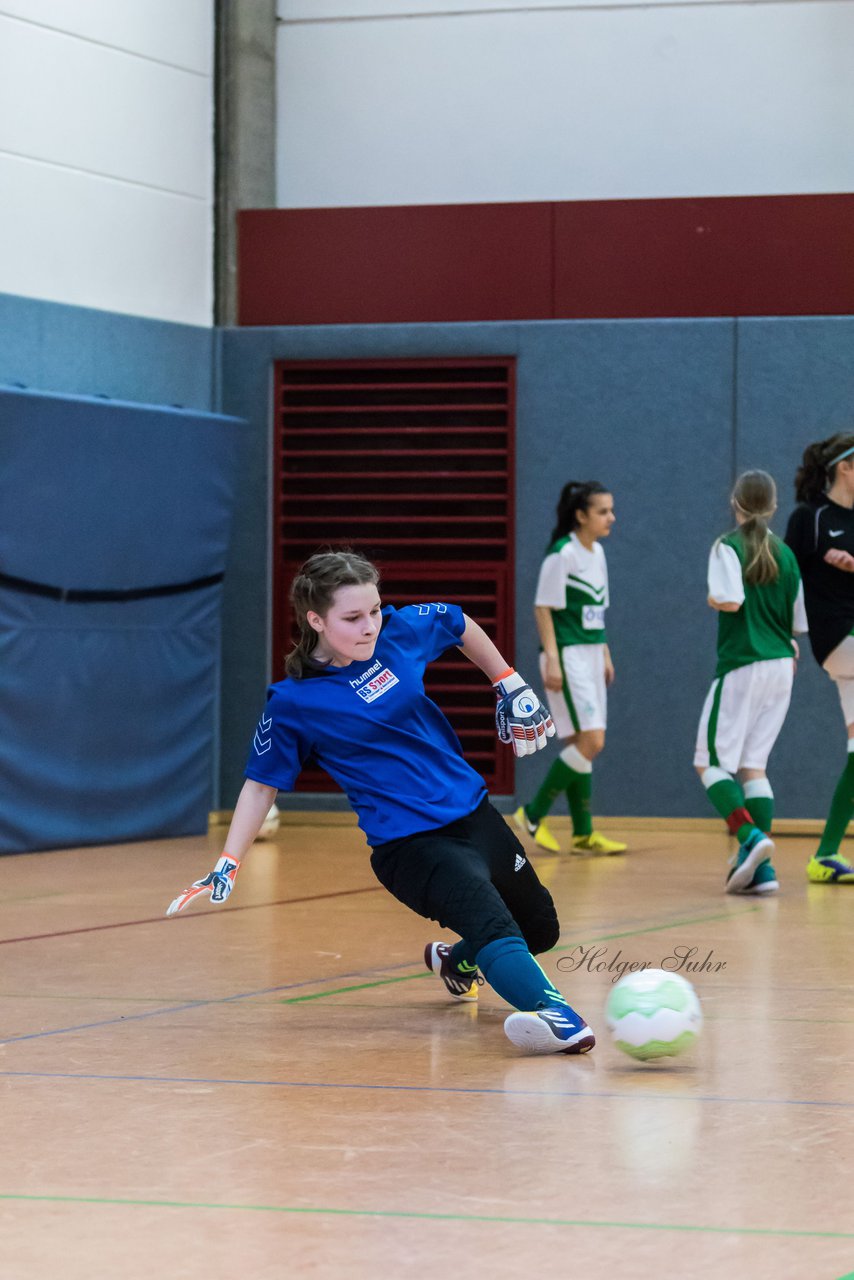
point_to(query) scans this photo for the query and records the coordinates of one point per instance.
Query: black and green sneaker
(459, 985)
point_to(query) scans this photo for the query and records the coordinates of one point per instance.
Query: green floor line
(569, 946)
(494, 1219)
(360, 986)
(655, 928)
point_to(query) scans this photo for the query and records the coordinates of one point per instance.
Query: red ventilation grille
(412, 464)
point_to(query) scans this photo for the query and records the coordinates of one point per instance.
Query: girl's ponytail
(755, 499)
(574, 497)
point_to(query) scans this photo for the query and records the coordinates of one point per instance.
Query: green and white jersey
(573, 583)
(769, 613)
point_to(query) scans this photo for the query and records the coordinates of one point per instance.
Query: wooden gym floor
(277, 1088)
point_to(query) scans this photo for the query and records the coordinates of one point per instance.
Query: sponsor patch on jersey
(377, 685)
(593, 617)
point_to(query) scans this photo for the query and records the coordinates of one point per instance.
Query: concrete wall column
(245, 131)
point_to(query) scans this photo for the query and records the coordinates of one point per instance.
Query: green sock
(841, 809)
(557, 780)
(759, 803)
(578, 794)
(728, 798)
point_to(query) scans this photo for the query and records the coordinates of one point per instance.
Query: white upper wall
(106, 154)
(451, 101)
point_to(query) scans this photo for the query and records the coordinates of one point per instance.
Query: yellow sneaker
(536, 831)
(597, 844)
(833, 869)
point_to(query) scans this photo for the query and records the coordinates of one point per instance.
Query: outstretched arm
(519, 718)
(480, 650)
(252, 807)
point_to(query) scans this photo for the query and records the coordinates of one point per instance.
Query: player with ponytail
(575, 662)
(821, 534)
(353, 701)
(755, 586)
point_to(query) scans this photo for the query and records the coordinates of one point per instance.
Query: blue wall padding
(83, 352)
(98, 493)
(107, 709)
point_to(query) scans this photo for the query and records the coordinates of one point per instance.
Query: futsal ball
(270, 825)
(653, 1014)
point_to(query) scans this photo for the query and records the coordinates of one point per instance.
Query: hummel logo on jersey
(263, 741)
(520, 862)
(834, 533)
(378, 685)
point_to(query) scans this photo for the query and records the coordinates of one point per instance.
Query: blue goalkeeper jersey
(371, 726)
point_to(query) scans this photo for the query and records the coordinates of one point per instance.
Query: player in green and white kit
(755, 584)
(575, 662)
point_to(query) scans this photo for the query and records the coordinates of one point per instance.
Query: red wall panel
(758, 255)
(761, 255)
(364, 266)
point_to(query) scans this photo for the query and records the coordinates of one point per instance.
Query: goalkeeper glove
(218, 883)
(520, 718)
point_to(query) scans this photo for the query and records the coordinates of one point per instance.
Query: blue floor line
(426, 1088)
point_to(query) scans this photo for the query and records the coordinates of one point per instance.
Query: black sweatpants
(471, 876)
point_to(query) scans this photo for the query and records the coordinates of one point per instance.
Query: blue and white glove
(519, 716)
(218, 883)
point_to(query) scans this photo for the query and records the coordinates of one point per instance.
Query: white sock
(757, 787)
(573, 758)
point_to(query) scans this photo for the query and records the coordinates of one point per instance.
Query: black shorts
(471, 876)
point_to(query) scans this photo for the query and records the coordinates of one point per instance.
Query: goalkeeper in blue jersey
(353, 701)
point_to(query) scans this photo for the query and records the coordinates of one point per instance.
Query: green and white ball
(653, 1014)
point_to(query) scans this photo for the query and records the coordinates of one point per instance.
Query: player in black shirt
(821, 534)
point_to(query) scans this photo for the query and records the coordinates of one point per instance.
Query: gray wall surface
(663, 412)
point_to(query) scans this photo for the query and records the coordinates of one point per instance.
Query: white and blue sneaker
(756, 849)
(555, 1029)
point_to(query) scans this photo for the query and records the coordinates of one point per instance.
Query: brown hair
(818, 469)
(313, 589)
(755, 498)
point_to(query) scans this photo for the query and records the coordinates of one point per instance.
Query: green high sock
(556, 781)
(841, 809)
(761, 810)
(760, 806)
(728, 798)
(578, 794)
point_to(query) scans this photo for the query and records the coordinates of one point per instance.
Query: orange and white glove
(520, 718)
(218, 883)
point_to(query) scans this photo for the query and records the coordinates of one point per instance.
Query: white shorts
(743, 715)
(839, 665)
(583, 703)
